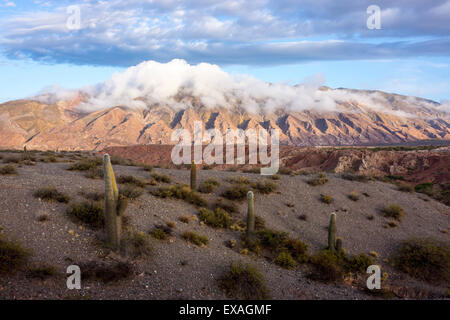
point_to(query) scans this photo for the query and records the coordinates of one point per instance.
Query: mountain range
(66, 125)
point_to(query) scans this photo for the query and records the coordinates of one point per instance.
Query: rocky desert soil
(177, 269)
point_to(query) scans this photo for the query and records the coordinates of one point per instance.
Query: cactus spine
(332, 233)
(193, 176)
(250, 214)
(115, 205)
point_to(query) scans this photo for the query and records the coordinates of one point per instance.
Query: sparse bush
(326, 198)
(147, 168)
(327, 267)
(88, 212)
(159, 234)
(244, 282)
(239, 180)
(115, 160)
(355, 177)
(136, 245)
(425, 187)
(427, 260)
(226, 205)
(394, 211)
(94, 196)
(218, 218)
(195, 238)
(12, 256)
(357, 263)
(41, 272)
(171, 224)
(275, 177)
(209, 185)
(85, 165)
(353, 196)
(265, 187)
(51, 194)
(184, 219)
(236, 193)
(94, 173)
(321, 179)
(255, 170)
(285, 171)
(182, 192)
(106, 273)
(8, 169)
(51, 159)
(130, 180)
(11, 160)
(159, 177)
(405, 188)
(131, 192)
(285, 260)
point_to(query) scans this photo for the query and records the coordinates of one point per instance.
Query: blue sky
(276, 41)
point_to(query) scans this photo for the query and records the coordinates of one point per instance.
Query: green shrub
(353, 196)
(94, 196)
(326, 267)
(228, 206)
(41, 272)
(12, 256)
(131, 192)
(355, 177)
(115, 160)
(320, 179)
(218, 218)
(427, 260)
(136, 245)
(239, 180)
(195, 238)
(357, 263)
(94, 173)
(285, 171)
(394, 211)
(244, 282)
(285, 260)
(8, 169)
(88, 212)
(265, 187)
(405, 188)
(425, 187)
(51, 194)
(275, 177)
(130, 180)
(255, 170)
(236, 193)
(182, 192)
(326, 198)
(159, 234)
(208, 185)
(161, 177)
(85, 165)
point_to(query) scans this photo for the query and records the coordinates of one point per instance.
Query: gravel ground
(61, 242)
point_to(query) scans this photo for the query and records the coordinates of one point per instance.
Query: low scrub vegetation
(394, 211)
(106, 273)
(41, 272)
(51, 194)
(239, 180)
(131, 180)
(354, 196)
(182, 192)
(8, 170)
(12, 256)
(195, 238)
(159, 234)
(94, 173)
(244, 281)
(265, 187)
(238, 192)
(218, 218)
(159, 177)
(136, 244)
(208, 185)
(426, 188)
(87, 212)
(427, 260)
(405, 188)
(85, 165)
(285, 260)
(355, 177)
(131, 192)
(326, 198)
(228, 206)
(319, 180)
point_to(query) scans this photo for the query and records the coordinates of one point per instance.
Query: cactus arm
(339, 244)
(332, 233)
(250, 214)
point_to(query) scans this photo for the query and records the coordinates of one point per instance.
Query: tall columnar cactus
(339, 245)
(193, 176)
(332, 233)
(25, 149)
(250, 214)
(115, 205)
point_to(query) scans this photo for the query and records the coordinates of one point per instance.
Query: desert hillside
(51, 208)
